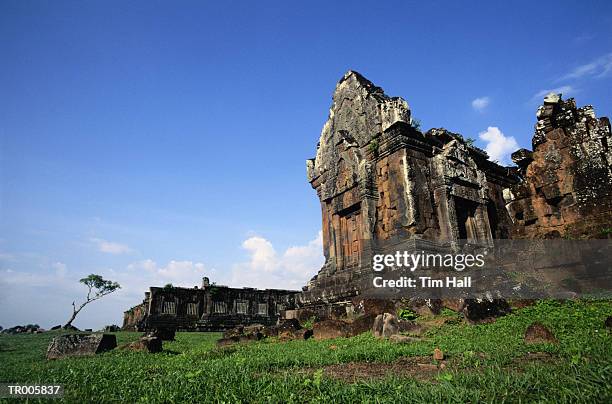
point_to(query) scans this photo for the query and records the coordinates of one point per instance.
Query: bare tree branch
(101, 288)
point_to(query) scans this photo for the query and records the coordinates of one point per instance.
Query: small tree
(98, 287)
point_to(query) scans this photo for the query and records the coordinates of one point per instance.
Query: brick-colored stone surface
(566, 186)
(381, 182)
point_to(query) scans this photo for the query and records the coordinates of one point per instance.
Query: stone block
(390, 325)
(69, 345)
(362, 324)
(146, 344)
(290, 335)
(538, 333)
(165, 333)
(329, 329)
(377, 327)
(376, 306)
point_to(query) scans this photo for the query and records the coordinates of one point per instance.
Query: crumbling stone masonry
(566, 186)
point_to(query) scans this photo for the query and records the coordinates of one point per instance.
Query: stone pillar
(447, 216)
(484, 227)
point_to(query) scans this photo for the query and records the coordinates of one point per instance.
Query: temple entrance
(466, 219)
(350, 231)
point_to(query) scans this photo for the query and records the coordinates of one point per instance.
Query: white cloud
(499, 146)
(565, 90)
(598, 68)
(263, 255)
(110, 247)
(267, 269)
(481, 103)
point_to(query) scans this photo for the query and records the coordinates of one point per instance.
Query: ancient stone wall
(133, 317)
(208, 308)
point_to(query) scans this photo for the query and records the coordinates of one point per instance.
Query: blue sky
(160, 141)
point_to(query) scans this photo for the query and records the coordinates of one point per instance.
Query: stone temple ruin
(566, 182)
(385, 186)
(207, 308)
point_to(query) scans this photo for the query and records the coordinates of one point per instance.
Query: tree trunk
(74, 314)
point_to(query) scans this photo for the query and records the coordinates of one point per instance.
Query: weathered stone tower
(385, 186)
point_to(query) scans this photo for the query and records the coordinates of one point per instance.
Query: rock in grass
(241, 331)
(68, 345)
(385, 325)
(438, 355)
(377, 327)
(362, 324)
(270, 331)
(289, 324)
(328, 329)
(146, 344)
(255, 336)
(234, 332)
(289, 335)
(286, 329)
(165, 333)
(410, 327)
(244, 338)
(228, 341)
(390, 325)
(537, 333)
(374, 307)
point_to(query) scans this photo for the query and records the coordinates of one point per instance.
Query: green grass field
(486, 363)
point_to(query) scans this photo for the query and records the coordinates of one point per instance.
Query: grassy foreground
(486, 363)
